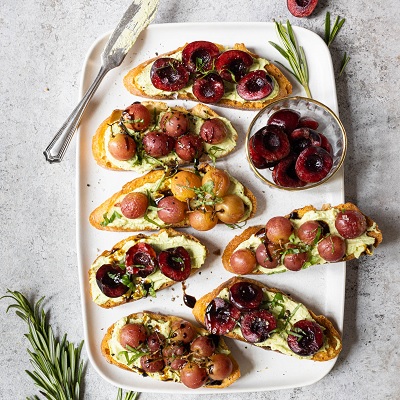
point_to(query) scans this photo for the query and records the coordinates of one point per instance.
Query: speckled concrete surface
(43, 44)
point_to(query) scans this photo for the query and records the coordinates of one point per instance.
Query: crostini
(247, 310)
(169, 348)
(210, 73)
(141, 265)
(303, 238)
(176, 198)
(151, 134)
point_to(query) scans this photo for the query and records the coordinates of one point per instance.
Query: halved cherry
(308, 338)
(169, 74)
(199, 56)
(256, 325)
(209, 88)
(108, 279)
(233, 65)
(141, 259)
(285, 118)
(272, 143)
(221, 317)
(308, 122)
(302, 138)
(325, 144)
(284, 173)
(245, 295)
(175, 263)
(313, 164)
(256, 158)
(255, 85)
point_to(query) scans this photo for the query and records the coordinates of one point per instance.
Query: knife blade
(135, 19)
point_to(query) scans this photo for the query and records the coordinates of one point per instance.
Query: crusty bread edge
(105, 350)
(135, 238)
(96, 216)
(199, 110)
(332, 335)
(285, 87)
(247, 233)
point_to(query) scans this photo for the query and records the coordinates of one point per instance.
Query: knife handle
(55, 151)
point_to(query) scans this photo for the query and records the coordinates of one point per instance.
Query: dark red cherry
(141, 260)
(209, 88)
(221, 317)
(199, 56)
(169, 74)
(255, 85)
(308, 122)
(313, 164)
(108, 279)
(245, 295)
(285, 118)
(301, 8)
(284, 173)
(302, 138)
(325, 144)
(256, 325)
(233, 65)
(175, 263)
(272, 143)
(308, 340)
(256, 158)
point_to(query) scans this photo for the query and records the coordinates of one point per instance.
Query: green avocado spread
(144, 83)
(153, 281)
(354, 246)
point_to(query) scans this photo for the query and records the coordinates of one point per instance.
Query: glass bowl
(329, 125)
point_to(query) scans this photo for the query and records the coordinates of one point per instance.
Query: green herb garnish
(110, 220)
(293, 53)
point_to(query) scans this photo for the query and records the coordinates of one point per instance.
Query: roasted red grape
(268, 255)
(122, 147)
(189, 147)
(213, 131)
(193, 376)
(134, 205)
(219, 179)
(332, 248)
(158, 144)
(132, 335)
(203, 219)
(203, 346)
(278, 230)
(242, 262)
(295, 260)
(350, 224)
(152, 362)
(231, 209)
(174, 123)
(310, 232)
(221, 367)
(182, 331)
(171, 210)
(136, 117)
(155, 341)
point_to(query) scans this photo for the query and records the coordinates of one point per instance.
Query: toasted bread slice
(253, 236)
(332, 343)
(132, 82)
(156, 184)
(150, 284)
(113, 125)
(161, 324)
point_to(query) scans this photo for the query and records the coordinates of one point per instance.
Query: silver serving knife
(136, 18)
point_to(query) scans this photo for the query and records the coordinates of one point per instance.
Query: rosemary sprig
(330, 35)
(57, 366)
(293, 53)
(128, 395)
(344, 62)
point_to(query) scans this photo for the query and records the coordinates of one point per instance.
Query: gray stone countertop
(43, 45)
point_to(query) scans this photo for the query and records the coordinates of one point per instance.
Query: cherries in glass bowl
(296, 143)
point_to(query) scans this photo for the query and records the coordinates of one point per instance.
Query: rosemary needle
(330, 34)
(293, 53)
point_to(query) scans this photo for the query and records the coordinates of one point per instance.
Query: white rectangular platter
(321, 288)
